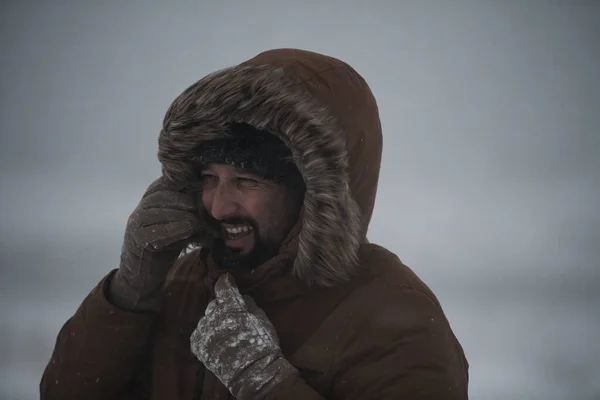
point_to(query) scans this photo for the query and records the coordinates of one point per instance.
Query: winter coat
(351, 317)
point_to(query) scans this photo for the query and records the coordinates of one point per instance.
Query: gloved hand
(236, 341)
(156, 234)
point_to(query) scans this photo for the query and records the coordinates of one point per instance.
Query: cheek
(273, 215)
(254, 207)
(273, 210)
(260, 208)
(206, 199)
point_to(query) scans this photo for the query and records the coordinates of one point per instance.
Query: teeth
(238, 229)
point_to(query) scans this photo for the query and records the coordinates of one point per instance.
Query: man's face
(254, 215)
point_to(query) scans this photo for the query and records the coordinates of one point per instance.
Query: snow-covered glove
(156, 233)
(236, 341)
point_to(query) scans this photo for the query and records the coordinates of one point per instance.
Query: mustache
(237, 221)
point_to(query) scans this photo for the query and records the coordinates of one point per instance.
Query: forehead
(227, 169)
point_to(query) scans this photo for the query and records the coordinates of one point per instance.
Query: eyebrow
(247, 171)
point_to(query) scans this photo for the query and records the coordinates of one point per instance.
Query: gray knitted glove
(236, 341)
(156, 234)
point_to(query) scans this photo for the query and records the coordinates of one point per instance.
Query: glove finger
(210, 307)
(266, 326)
(160, 184)
(228, 295)
(251, 304)
(196, 343)
(161, 216)
(253, 307)
(169, 200)
(167, 234)
(155, 185)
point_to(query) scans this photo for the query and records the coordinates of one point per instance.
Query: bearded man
(269, 172)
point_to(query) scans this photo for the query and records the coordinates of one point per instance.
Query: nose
(221, 201)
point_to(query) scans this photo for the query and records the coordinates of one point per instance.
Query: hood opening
(269, 98)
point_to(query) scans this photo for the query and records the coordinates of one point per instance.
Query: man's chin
(227, 257)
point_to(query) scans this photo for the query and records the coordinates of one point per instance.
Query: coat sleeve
(99, 352)
(400, 348)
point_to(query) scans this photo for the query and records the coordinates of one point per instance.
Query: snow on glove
(156, 234)
(236, 341)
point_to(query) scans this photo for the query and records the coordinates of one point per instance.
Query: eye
(243, 179)
(247, 181)
(209, 180)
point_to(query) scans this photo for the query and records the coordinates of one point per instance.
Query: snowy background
(490, 187)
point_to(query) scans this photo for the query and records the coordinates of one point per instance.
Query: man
(271, 169)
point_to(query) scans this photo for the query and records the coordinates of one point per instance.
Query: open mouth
(237, 232)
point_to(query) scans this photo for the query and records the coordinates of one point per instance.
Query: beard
(227, 258)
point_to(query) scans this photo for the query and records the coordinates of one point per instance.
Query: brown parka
(355, 321)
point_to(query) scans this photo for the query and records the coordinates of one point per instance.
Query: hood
(324, 111)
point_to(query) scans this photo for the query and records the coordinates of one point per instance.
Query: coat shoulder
(383, 271)
(393, 322)
(388, 338)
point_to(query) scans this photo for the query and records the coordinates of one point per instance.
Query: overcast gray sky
(491, 172)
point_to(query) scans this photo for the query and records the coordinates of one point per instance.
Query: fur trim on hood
(325, 113)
